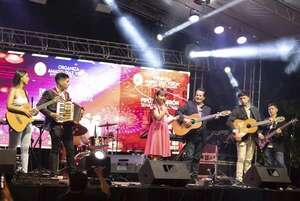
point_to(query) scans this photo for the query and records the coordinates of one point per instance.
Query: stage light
(16, 52)
(63, 58)
(103, 8)
(194, 18)
(159, 37)
(227, 69)
(281, 49)
(241, 40)
(40, 55)
(99, 155)
(219, 29)
(196, 54)
(44, 2)
(113, 5)
(138, 39)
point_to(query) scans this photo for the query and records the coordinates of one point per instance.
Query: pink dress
(158, 140)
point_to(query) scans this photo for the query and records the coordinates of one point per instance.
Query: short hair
(61, 76)
(17, 77)
(200, 89)
(273, 104)
(242, 93)
(78, 181)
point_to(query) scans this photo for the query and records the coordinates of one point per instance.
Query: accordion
(68, 112)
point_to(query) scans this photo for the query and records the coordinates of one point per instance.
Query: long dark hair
(158, 92)
(17, 77)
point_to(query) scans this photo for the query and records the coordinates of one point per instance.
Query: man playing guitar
(195, 139)
(59, 131)
(274, 151)
(246, 145)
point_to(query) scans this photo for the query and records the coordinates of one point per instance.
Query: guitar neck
(208, 117)
(44, 105)
(262, 123)
(281, 127)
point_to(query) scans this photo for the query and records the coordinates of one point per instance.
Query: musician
(158, 140)
(274, 152)
(195, 139)
(60, 132)
(245, 147)
(17, 98)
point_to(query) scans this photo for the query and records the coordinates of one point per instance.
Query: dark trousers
(62, 133)
(192, 152)
(273, 158)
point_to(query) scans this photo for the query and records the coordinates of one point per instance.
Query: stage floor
(161, 193)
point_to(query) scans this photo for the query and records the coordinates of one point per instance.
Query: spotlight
(194, 18)
(227, 69)
(202, 2)
(219, 29)
(99, 155)
(159, 37)
(241, 40)
(195, 54)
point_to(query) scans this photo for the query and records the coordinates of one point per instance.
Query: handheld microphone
(2, 182)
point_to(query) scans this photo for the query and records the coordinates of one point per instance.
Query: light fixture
(159, 37)
(227, 69)
(99, 155)
(194, 18)
(241, 40)
(219, 30)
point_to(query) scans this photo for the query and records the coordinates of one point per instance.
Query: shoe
(238, 184)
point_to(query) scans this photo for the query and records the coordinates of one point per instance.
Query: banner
(110, 93)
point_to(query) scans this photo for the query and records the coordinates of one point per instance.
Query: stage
(161, 193)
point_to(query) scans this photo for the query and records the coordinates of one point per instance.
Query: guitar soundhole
(193, 121)
(248, 126)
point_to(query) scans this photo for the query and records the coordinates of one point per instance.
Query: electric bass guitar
(19, 121)
(250, 126)
(181, 129)
(268, 138)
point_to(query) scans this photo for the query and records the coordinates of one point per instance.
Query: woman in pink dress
(158, 141)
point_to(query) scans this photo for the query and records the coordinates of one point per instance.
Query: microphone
(32, 101)
(2, 182)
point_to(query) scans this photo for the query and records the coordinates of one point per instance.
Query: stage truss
(75, 47)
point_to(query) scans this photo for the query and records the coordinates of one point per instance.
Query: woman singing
(17, 98)
(158, 141)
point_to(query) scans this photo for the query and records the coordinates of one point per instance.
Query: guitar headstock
(294, 120)
(224, 113)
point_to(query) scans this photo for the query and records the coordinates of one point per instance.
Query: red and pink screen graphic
(110, 93)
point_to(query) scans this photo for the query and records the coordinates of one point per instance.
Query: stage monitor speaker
(174, 173)
(260, 176)
(8, 161)
(126, 167)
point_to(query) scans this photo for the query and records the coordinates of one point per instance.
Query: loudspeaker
(126, 166)
(174, 173)
(259, 176)
(8, 161)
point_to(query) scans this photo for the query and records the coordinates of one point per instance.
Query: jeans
(274, 158)
(62, 133)
(245, 152)
(192, 152)
(25, 138)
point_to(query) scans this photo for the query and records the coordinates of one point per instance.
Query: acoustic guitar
(268, 138)
(181, 129)
(250, 126)
(19, 121)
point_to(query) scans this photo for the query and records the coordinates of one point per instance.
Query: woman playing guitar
(18, 103)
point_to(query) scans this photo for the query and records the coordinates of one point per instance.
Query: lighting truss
(69, 46)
